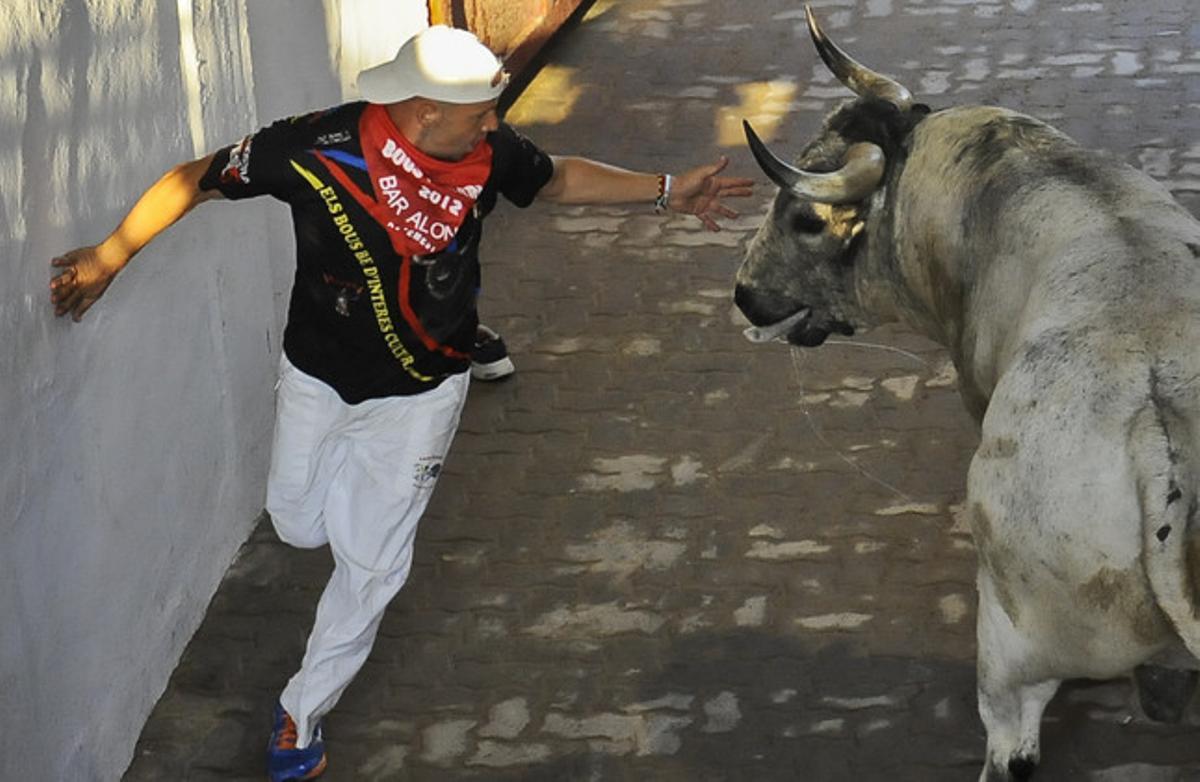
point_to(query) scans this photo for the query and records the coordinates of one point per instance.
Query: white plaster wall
(367, 33)
(134, 445)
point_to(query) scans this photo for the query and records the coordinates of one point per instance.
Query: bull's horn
(859, 78)
(862, 168)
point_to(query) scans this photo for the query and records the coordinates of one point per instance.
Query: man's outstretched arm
(87, 271)
(699, 191)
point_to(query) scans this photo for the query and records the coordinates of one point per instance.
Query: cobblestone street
(660, 552)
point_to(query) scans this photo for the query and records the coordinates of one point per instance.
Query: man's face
(456, 128)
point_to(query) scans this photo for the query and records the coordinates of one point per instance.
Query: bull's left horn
(862, 169)
(859, 78)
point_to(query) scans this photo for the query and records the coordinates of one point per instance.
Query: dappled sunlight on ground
(764, 104)
(549, 100)
(599, 9)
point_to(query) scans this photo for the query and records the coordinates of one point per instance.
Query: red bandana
(422, 201)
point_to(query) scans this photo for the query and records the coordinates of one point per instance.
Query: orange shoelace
(287, 736)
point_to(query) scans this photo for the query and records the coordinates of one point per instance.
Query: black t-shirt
(387, 239)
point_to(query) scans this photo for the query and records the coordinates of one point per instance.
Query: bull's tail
(1165, 468)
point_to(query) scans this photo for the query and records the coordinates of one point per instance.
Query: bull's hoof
(1164, 692)
(1021, 767)
(1018, 769)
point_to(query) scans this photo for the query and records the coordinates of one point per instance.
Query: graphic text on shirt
(369, 268)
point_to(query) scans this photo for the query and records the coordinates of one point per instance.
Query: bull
(1066, 287)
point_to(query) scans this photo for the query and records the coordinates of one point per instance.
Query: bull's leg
(1012, 695)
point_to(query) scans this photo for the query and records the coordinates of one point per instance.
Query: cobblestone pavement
(660, 552)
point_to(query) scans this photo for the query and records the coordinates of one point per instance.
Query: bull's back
(1008, 183)
(1041, 235)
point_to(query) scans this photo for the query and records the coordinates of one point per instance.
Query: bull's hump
(981, 139)
(966, 122)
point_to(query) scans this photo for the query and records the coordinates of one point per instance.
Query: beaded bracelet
(664, 193)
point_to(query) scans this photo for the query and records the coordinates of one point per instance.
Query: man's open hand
(83, 278)
(699, 192)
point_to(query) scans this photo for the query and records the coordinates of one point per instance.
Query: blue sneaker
(285, 761)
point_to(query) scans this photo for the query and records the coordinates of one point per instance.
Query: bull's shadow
(819, 712)
(834, 713)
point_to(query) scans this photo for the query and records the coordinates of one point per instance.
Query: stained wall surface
(135, 443)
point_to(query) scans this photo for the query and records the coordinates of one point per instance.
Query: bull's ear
(850, 236)
(844, 223)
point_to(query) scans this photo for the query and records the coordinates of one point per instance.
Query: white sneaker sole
(493, 370)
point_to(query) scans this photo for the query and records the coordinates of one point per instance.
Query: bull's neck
(908, 274)
(936, 285)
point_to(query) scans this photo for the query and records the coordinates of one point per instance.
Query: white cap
(440, 63)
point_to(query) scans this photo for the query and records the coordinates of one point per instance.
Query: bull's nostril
(763, 309)
(750, 305)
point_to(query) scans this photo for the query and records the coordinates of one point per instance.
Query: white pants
(357, 477)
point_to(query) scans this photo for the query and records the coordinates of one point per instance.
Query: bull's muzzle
(776, 317)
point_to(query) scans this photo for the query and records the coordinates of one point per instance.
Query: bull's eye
(807, 223)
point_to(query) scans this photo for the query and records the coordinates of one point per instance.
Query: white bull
(1066, 287)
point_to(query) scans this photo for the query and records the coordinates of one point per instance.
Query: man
(387, 197)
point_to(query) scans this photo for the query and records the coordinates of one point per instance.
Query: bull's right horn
(859, 78)
(862, 169)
